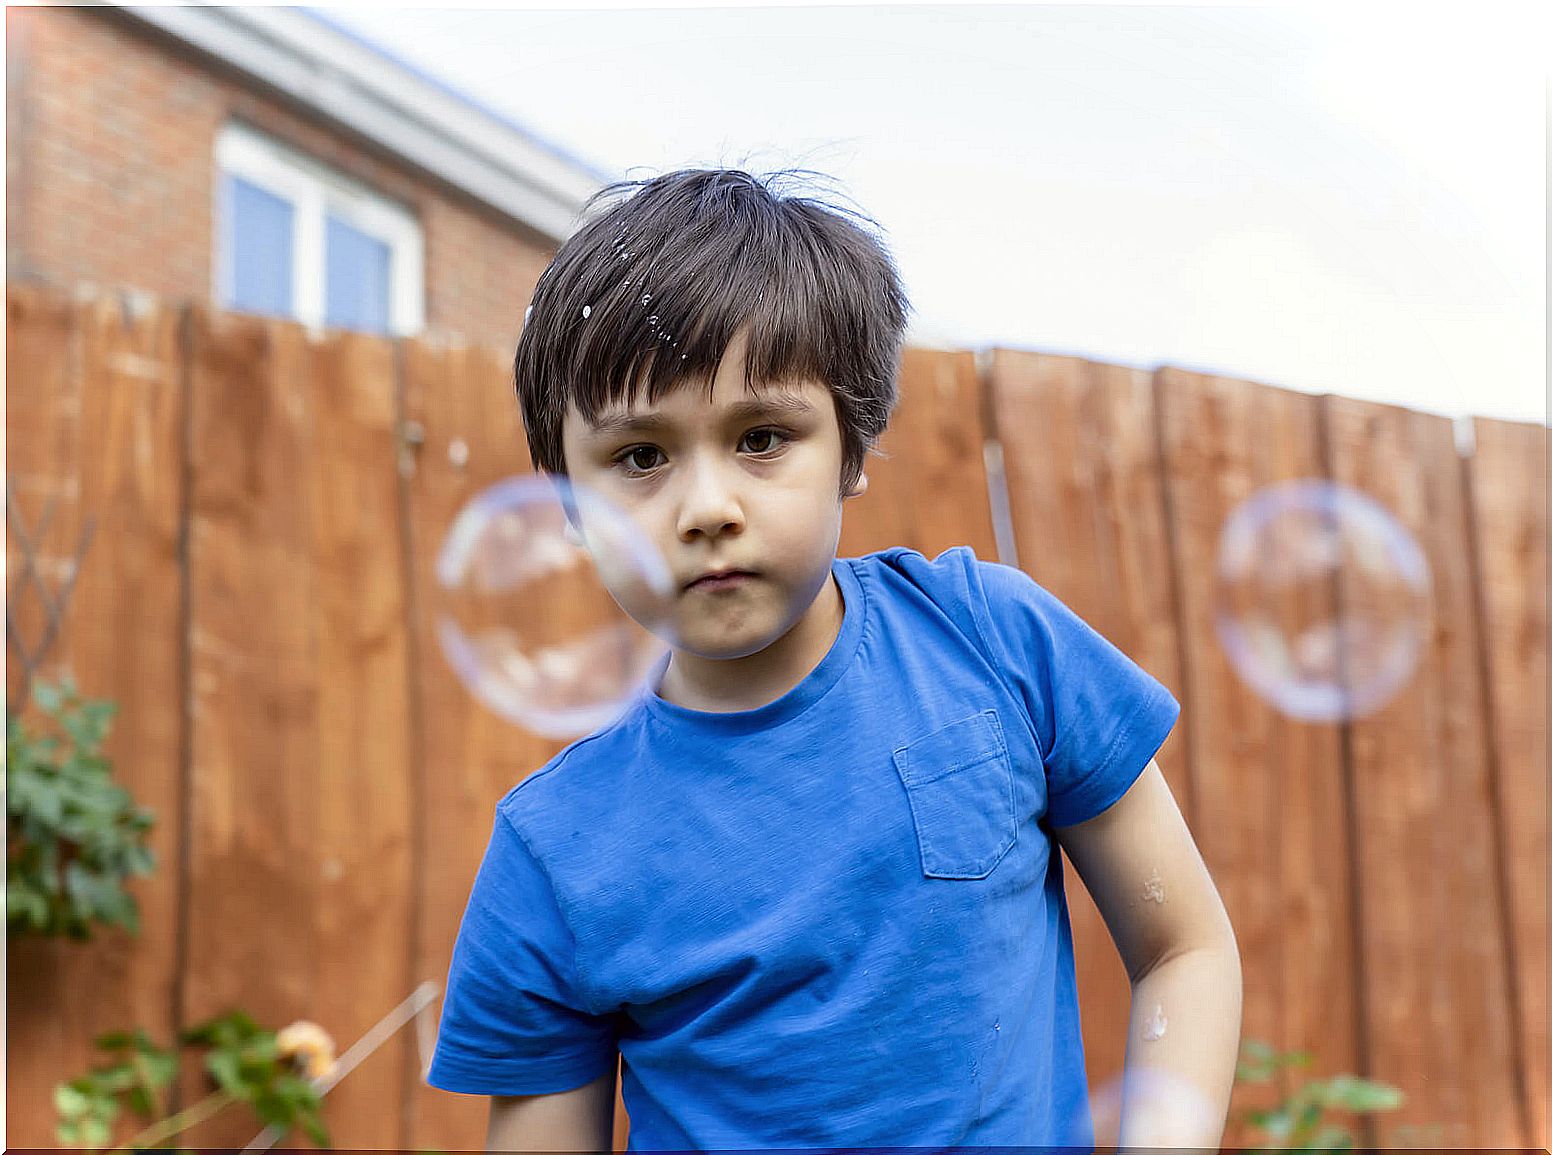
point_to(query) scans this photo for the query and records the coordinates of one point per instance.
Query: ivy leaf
(315, 1129)
(70, 1102)
(141, 1102)
(225, 1068)
(1354, 1094)
(273, 1109)
(96, 1132)
(73, 834)
(1278, 1124)
(49, 697)
(1331, 1139)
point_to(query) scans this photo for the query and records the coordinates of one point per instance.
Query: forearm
(1182, 1043)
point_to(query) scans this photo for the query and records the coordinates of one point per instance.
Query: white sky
(1336, 198)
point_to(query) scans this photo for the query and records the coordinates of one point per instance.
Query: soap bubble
(1321, 600)
(1162, 1110)
(530, 610)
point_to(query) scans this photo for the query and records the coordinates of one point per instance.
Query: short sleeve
(513, 1022)
(1097, 716)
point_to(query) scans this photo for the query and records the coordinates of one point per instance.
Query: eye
(632, 458)
(764, 440)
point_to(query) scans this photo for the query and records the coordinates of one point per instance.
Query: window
(297, 239)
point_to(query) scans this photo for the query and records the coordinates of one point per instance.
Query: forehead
(689, 402)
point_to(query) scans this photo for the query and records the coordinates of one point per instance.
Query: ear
(860, 487)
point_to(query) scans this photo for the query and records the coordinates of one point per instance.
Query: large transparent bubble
(532, 608)
(1161, 1110)
(1321, 600)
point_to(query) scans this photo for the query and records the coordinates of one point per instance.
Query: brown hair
(651, 292)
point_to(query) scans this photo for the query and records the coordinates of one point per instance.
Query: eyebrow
(776, 405)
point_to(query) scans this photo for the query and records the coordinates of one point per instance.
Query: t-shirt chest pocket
(959, 781)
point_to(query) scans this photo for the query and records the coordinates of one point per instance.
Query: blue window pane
(357, 287)
(258, 247)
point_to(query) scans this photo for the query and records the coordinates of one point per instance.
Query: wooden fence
(252, 596)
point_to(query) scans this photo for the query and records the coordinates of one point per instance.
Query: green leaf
(273, 1109)
(72, 838)
(68, 1133)
(141, 1102)
(161, 1068)
(224, 1066)
(119, 1077)
(315, 1129)
(49, 697)
(69, 1101)
(96, 1132)
(1331, 1139)
(1278, 1124)
(301, 1092)
(1354, 1094)
(1258, 1051)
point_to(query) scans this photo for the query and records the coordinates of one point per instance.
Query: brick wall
(111, 180)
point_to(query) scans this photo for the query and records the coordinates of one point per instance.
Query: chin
(723, 649)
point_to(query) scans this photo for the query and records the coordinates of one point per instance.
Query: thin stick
(409, 1009)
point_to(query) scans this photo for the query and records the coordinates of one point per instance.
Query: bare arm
(577, 1120)
(1142, 868)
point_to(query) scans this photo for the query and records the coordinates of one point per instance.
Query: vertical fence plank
(254, 887)
(43, 470)
(363, 776)
(1268, 805)
(42, 417)
(300, 890)
(94, 417)
(929, 493)
(462, 398)
(1436, 975)
(1081, 460)
(1508, 485)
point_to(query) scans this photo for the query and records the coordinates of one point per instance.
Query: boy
(807, 885)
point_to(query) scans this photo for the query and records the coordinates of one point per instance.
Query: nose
(709, 503)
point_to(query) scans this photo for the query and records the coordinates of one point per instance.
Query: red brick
(118, 167)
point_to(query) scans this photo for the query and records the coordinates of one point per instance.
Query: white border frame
(315, 190)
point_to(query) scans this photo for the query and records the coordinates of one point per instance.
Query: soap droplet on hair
(587, 311)
(645, 297)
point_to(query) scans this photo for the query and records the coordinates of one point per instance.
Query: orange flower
(309, 1046)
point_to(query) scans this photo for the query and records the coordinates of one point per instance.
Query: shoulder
(971, 591)
(946, 579)
(564, 793)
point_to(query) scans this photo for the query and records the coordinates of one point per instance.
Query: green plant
(72, 835)
(1298, 1122)
(248, 1064)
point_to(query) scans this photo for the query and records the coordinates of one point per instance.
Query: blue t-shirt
(833, 921)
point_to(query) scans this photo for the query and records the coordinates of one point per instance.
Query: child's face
(722, 486)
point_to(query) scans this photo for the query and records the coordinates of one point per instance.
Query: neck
(726, 685)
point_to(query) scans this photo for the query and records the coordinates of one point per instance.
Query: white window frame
(314, 191)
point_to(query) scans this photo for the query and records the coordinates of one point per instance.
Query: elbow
(1220, 955)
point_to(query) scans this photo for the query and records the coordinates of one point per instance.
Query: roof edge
(346, 80)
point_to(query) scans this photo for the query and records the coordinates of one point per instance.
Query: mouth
(725, 580)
